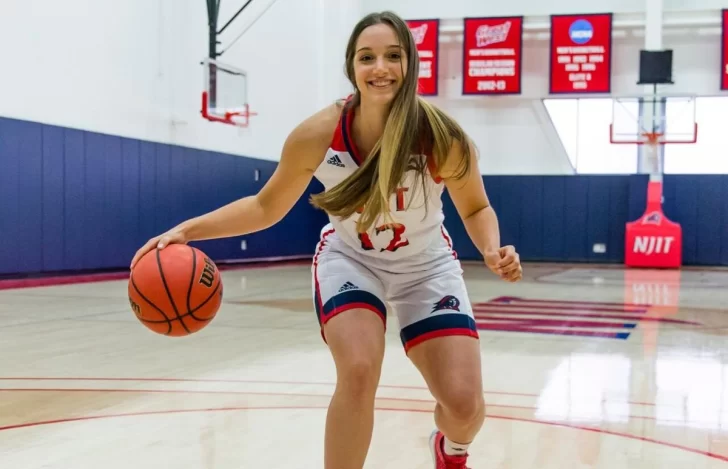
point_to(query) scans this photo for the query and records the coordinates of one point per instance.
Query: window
(708, 155)
(583, 127)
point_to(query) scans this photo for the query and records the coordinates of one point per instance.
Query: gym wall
(100, 152)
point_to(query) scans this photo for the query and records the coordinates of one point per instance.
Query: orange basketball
(175, 291)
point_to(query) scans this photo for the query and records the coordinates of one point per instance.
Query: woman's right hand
(174, 236)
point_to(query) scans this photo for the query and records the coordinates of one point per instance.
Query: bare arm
(301, 155)
(302, 152)
(480, 220)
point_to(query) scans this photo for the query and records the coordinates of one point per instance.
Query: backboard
(225, 94)
(653, 119)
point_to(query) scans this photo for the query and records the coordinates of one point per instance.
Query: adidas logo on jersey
(348, 286)
(336, 161)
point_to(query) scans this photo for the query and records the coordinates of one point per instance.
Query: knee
(464, 402)
(359, 377)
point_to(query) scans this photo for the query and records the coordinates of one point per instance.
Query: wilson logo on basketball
(208, 273)
(136, 308)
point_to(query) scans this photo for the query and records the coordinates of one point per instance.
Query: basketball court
(584, 367)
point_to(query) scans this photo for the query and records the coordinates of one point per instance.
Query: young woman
(384, 156)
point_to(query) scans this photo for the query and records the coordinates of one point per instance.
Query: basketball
(175, 291)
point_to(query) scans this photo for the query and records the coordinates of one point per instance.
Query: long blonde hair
(413, 126)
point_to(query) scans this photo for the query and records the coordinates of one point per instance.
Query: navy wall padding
(560, 218)
(74, 200)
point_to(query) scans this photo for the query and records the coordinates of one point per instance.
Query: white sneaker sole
(433, 435)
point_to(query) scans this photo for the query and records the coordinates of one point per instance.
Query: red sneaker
(442, 460)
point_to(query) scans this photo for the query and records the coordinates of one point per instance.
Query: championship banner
(724, 53)
(492, 52)
(426, 34)
(581, 53)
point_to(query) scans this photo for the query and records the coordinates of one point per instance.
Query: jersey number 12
(397, 242)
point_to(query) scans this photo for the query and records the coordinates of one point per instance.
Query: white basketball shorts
(426, 292)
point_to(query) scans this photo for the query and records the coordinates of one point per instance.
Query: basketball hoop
(652, 138)
(225, 94)
(234, 116)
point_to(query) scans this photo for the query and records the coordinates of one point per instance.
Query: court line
(381, 409)
(296, 394)
(24, 281)
(253, 381)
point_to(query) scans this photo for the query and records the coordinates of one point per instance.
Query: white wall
(514, 133)
(463, 8)
(132, 67)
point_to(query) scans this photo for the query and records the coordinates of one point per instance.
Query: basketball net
(652, 158)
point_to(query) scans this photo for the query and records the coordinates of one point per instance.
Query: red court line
(381, 409)
(11, 284)
(562, 331)
(542, 306)
(211, 392)
(242, 393)
(530, 322)
(537, 301)
(485, 313)
(253, 381)
(72, 279)
(281, 394)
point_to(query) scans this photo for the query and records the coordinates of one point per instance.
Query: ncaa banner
(724, 53)
(426, 34)
(581, 53)
(492, 52)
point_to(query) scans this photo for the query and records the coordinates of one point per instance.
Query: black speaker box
(655, 67)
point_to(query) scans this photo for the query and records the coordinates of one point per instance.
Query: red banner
(492, 52)
(426, 34)
(581, 53)
(724, 53)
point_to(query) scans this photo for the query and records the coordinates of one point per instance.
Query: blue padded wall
(560, 218)
(73, 200)
(554, 218)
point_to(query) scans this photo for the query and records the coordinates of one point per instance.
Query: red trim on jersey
(342, 141)
(347, 120)
(321, 245)
(449, 241)
(433, 168)
(337, 143)
(343, 127)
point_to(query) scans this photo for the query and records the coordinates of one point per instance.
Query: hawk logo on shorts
(447, 302)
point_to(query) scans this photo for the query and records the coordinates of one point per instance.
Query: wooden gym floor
(584, 367)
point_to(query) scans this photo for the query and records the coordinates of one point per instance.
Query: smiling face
(379, 63)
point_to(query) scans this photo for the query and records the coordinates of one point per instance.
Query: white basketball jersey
(418, 216)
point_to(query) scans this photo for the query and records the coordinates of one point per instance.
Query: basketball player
(384, 156)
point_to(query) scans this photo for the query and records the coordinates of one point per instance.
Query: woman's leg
(348, 299)
(441, 339)
(451, 367)
(356, 340)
